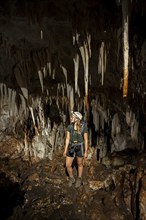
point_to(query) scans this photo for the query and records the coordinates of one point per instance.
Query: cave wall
(40, 42)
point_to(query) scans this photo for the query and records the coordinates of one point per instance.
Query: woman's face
(72, 119)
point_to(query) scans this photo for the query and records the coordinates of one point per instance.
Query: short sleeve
(85, 128)
(69, 128)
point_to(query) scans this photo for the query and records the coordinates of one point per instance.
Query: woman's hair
(78, 117)
(78, 124)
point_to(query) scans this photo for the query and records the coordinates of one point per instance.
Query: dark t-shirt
(74, 135)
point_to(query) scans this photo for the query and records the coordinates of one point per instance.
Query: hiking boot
(71, 181)
(78, 182)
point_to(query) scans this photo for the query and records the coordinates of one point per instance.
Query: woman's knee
(80, 163)
(69, 162)
(68, 165)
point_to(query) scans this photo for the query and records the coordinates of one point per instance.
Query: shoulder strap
(82, 127)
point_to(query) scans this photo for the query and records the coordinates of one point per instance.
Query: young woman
(76, 144)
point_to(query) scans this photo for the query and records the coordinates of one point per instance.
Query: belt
(76, 144)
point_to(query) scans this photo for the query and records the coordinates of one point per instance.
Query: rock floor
(106, 192)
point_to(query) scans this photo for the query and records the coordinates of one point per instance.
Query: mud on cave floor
(44, 192)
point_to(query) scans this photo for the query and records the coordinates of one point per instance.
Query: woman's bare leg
(80, 166)
(69, 161)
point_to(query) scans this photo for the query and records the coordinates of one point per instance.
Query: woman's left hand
(85, 155)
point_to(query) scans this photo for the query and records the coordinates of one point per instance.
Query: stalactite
(79, 93)
(95, 115)
(33, 119)
(58, 89)
(45, 72)
(23, 108)
(41, 79)
(26, 147)
(119, 44)
(102, 61)
(64, 72)
(62, 87)
(70, 95)
(128, 116)
(52, 139)
(57, 102)
(21, 80)
(53, 73)
(76, 67)
(115, 125)
(125, 46)
(13, 104)
(72, 99)
(63, 96)
(36, 60)
(76, 61)
(2, 94)
(134, 128)
(40, 59)
(41, 116)
(5, 93)
(76, 38)
(41, 35)
(9, 100)
(49, 68)
(86, 54)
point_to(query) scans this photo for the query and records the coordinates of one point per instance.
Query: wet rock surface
(107, 192)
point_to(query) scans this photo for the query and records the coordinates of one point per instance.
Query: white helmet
(77, 115)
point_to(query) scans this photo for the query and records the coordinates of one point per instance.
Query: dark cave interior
(64, 55)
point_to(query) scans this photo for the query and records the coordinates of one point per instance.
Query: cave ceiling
(37, 33)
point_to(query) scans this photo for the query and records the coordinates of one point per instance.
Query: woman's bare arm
(86, 143)
(66, 142)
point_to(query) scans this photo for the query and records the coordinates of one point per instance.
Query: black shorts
(76, 150)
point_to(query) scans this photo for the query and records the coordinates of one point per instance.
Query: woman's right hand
(64, 153)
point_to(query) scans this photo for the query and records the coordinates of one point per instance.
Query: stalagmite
(125, 46)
